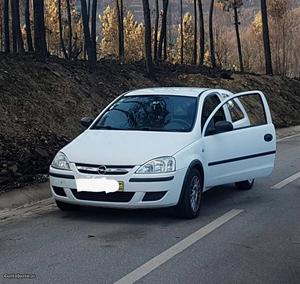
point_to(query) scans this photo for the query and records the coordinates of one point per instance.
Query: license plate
(121, 185)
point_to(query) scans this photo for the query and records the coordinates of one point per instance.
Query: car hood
(110, 147)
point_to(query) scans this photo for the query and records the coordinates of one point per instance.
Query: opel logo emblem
(102, 170)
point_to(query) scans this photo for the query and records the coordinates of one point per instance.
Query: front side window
(150, 113)
(209, 105)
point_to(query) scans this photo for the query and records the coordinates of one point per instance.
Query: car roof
(175, 91)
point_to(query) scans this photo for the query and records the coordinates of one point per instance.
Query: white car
(161, 147)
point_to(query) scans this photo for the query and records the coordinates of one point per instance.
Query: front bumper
(136, 187)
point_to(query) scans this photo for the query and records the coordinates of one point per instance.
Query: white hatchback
(161, 147)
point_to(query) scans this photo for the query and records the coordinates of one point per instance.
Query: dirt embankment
(41, 104)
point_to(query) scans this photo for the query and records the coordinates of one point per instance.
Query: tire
(190, 200)
(245, 185)
(66, 206)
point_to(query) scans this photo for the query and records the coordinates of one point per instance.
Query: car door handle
(268, 137)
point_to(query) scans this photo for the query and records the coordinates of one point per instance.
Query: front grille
(102, 196)
(109, 169)
(154, 196)
(59, 191)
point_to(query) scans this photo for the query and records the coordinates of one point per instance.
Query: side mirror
(223, 126)
(86, 121)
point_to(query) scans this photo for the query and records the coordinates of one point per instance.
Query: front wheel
(245, 184)
(189, 203)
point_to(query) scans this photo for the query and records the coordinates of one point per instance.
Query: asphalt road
(240, 237)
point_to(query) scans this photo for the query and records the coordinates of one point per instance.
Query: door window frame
(221, 98)
(264, 102)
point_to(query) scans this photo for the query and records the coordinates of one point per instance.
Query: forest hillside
(41, 103)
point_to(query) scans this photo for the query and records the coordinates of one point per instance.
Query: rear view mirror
(223, 126)
(86, 121)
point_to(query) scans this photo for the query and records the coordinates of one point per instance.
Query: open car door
(236, 152)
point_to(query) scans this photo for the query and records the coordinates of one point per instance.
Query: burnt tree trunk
(6, 26)
(147, 24)
(236, 24)
(62, 43)
(28, 26)
(88, 18)
(70, 29)
(211, 34)
(201, 33)
(40, 44)
(195, 33)
(163, 30)
(20, 41)
(13, 27)
(119, 5)
(93, 31)
(266, 38)
(86, 31)
(181, 32)
(156, 30)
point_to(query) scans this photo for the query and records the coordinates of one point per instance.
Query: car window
(209, 105)
(254, 111)
(235, 111)
(150, 113)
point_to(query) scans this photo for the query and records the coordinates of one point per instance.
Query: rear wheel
(245, 184)
(189, 203)
(66, 206)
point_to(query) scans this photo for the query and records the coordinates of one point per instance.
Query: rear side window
(235, 111)
(254, 114)
(254, 108)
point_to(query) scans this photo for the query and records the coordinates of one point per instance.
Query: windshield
(150, 113)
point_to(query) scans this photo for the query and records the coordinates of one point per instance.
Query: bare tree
(201, 32)
(18, 27)
(40, 44)
(70, 29)
(120, 9)
(13, 27)
(163, 30)
(88, 19)
(195, 33)
(93, 30)
(235, 5)
(156, 30)
(181, 32)
(211, 34)
(236, 24)
(86, 31)
(62, 43)
(147, 24)
(28, 26)
(6, 26)
(266, 38)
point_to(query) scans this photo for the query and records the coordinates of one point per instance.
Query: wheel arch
(194, 164)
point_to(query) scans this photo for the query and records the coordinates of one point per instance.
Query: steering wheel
(180, 121)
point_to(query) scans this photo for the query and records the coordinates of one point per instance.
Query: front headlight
(158, 165)
(61, 162)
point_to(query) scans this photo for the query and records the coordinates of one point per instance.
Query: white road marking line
(286, 181)
(288, 137)
(160, 259)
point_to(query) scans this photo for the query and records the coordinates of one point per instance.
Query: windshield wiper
(107, 127)
(147, 129)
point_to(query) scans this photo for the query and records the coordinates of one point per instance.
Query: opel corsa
(162, 147)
